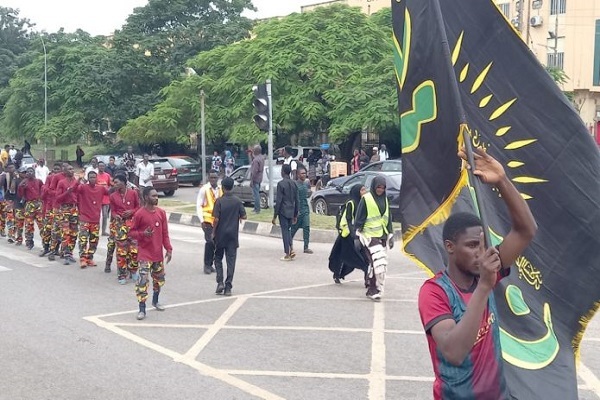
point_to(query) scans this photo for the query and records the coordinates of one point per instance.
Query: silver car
(243, 189)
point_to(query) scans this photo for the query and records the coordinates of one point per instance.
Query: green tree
(331, 71)
(14, 42)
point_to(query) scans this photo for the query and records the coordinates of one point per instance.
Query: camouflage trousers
(69, 221)
(125, 246)
(15, 221)
(156, 271)
(55, 230)
(89, 234)
(33, 215)
(3, 206)
(46, 231)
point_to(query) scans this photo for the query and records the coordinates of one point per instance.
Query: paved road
(186, 194)
(287, 333)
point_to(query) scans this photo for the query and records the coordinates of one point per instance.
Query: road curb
(263, 228)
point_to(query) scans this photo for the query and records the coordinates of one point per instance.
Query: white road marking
(591, 380)
(198, 366)
(25, 258)
(377, 376)
(192, 353)
(4, 269)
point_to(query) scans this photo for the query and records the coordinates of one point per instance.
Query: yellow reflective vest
(345, 229)
(376, 223)
(210, 203)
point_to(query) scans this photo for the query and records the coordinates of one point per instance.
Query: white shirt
(88, 170)
(41, 173)
(291, 162)
(144, 172)
(12, 153)
(201, 199)
(383, 155)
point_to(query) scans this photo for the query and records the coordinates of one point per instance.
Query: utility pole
(45, 97)
(520, 14)
(556, 41)
(203, 137)
(270, 145)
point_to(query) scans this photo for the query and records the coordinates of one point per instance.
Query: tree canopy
(331, 71)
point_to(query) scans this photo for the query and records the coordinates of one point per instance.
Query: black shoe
(45, 252)
(29, 246)
(212, 269)
(336, 279)
(207, 270)
(11, 241)
(69, 260)
(220, 288)
(227, 292)
(107, 269)
(51, 257)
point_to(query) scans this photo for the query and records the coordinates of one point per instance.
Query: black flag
(510, 105)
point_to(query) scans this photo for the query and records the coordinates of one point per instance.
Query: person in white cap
(375, 156)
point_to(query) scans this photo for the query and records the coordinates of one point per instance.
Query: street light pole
(45, 96)
(270, 145)
(203, 133)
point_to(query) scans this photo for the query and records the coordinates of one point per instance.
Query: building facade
(565, 34)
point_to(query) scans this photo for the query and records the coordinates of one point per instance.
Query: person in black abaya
(346, 253)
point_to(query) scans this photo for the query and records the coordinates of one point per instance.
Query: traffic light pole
(203, 138)
(270, 145)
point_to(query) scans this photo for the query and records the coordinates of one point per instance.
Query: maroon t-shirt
(31, 190)
(63, 196)
(150, 248)
(119, 203)
(90, 202)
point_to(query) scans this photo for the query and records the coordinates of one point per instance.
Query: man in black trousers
(228, 212)
(286, 209)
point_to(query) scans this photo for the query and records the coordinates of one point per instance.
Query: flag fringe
(583, 321)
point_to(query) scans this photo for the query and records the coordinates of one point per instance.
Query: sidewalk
(262, 228)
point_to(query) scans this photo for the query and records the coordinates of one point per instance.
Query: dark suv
(165, 176)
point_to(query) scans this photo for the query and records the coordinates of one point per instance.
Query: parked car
(327, 201)
(382, 166)
(165, 176)
(28, 161)
(243, 189)
(188, 169)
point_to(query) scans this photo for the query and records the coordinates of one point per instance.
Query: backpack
(340, 224)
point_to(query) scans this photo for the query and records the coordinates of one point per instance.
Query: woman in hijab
(346, 254)
(229, 163)
(373, 225)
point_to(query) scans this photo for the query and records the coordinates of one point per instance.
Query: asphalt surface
(287, 332)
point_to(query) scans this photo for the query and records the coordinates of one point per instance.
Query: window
(505, 8)
(556, 60)
(558, 7)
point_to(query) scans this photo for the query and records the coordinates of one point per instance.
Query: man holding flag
(457, 306)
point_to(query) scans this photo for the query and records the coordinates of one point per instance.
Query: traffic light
(261, 107)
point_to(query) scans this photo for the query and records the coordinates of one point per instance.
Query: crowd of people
(68, 209)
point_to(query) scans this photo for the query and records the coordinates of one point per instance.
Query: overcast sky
(103, 17)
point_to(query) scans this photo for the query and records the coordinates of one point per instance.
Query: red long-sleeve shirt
(89, 201)
(30, 190)
(63, 196)
(151, 248)
(120, 203)
(52, 186)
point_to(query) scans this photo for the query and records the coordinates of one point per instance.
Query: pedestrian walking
(145, 172)
(104, 179)
(256, 175)
(89, 203)
(41, 170)
(205, 204)
(11, 181)
(228, 213)
(457, 306)
(229, 163)
(303, 220)
(374, 229)
(151, 231)
(355, 165)
(129, 162)
(289, 160)
(124, 202)
(286, 209)
(48, 211)
(216, 162)
(56, 231)
(69, 214)
(30, 190)
(111, 168)
(79, 153)
(4, 156)
(375, 156)
(383, 153)
(364, 159)
(3, 201)
(92, 167)
(347, 253)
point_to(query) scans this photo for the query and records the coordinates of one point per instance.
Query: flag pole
(475, 181)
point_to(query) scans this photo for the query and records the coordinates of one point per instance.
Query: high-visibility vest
(345, 229)
(210, 203)
(376, 223)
